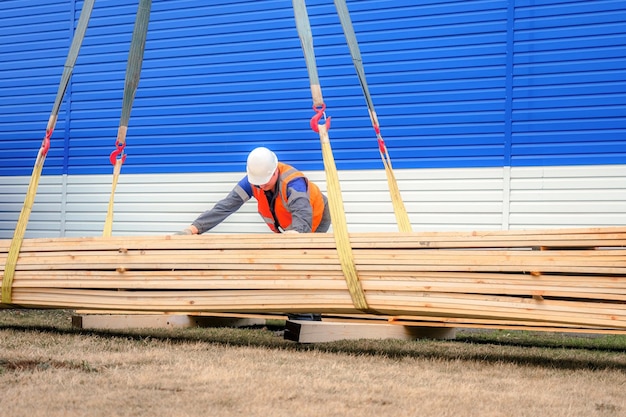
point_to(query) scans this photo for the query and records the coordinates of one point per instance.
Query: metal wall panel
(48, 215)
(569, 83)
(34, 42)
(572, 196)
(165, 203)
(480, 102)
(436, 199)
(456, 84)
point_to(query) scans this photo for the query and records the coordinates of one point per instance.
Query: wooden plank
(611, 290)
(158, 320)
(481, 278)
(396, 279)
(586, 237)
(480, 306)
(129, 321)
(582, 262)
(259, 316)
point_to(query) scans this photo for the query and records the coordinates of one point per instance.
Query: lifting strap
(20, 229)
(335, 201)
(133, 72)
(402, 218)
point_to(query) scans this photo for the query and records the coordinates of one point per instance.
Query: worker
(287, 201)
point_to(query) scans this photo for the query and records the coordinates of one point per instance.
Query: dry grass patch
(49, 369)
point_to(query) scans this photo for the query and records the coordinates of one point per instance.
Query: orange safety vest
(283, 215)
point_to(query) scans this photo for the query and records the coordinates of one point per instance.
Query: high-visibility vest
(283, 215)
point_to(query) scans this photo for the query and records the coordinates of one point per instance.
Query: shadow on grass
(554, 351)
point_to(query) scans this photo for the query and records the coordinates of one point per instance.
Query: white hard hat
(261, 166)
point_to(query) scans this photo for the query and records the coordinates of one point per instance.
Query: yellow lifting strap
(402, 218)
(108, 222)
(133, 72)
(340, 228)
(20, 229)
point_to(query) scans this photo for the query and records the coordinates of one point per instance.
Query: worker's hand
(291, 231)
(186, 231)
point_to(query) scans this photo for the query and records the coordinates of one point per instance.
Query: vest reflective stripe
(286, 174)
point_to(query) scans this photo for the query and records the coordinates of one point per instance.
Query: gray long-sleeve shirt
(298, 204)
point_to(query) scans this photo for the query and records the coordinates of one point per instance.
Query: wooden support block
(153, 321)
(317, 331)
(128, 321)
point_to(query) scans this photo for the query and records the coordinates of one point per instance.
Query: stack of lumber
(570, 279)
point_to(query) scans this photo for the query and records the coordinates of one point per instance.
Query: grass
(49, 368)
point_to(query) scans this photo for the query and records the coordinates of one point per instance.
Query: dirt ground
(50, 369)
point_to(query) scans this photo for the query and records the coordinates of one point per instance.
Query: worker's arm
(222, 209)
(299, 206)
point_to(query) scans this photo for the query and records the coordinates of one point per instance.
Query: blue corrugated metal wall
(569, 83)
(455, 83)
(34, 42)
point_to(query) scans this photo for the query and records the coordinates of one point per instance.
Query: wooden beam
(160, 320)
(483, 277)
(319, 331)
(128, 321)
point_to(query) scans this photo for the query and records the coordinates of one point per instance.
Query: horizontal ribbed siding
(34, 42)
(435, 199)
(214, 76)
(569, 96)
(222, 77)
(437, 81)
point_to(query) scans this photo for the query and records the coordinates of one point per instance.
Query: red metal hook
(45, 146)
(315, 120)
(381, 142)
(119, 148)
(381, 146)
